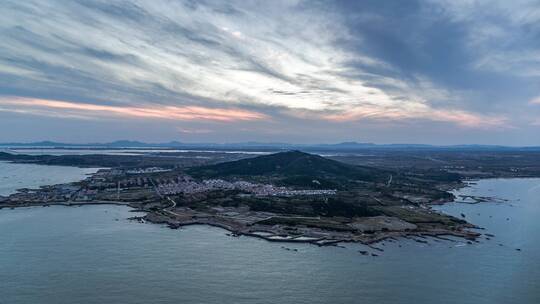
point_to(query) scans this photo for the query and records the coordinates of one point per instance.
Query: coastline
(272, 236)
(265, 233)
(365, 230)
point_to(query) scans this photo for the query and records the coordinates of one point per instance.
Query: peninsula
(289, 196)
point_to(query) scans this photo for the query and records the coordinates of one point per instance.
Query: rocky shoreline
(319, 237)
(313, 237)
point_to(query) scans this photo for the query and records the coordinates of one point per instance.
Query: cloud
(421, 112)
(272, 54)
(86, 110)
(502, 33)
(465, 63)
(535, 101)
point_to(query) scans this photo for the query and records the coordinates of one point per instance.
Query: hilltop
(294, 168)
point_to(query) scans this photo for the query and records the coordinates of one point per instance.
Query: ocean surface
(93, 254)
(16, 176)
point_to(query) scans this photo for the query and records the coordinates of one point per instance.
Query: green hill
(294, 168)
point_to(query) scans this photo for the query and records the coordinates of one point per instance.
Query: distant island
(273, 146)
(289, 196)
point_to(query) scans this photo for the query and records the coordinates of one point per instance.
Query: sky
(432, 72)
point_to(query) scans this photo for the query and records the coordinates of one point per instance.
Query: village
(187, 185)
(122, 185)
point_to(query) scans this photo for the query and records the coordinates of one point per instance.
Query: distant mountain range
(344, 146)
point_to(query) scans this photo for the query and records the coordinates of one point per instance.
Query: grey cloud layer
(328, 62)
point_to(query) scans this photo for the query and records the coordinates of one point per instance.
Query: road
(167, 209)
(389, 181)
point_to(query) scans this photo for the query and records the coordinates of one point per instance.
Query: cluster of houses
(188, 186)
(56, 193)
(147, 170)
(113, 182)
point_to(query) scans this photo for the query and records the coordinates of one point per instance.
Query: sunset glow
(164, 112)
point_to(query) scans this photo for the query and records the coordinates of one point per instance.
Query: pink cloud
(67, 109)
(459, 117)
(535, 101)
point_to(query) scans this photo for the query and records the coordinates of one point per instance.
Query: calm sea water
(93, 254)
(16, 176)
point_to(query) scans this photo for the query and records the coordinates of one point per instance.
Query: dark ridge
(293, 165)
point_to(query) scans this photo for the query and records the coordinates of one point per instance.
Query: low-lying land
(289, 196)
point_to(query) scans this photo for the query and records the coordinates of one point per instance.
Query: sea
(16, 176)
(94, 254)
